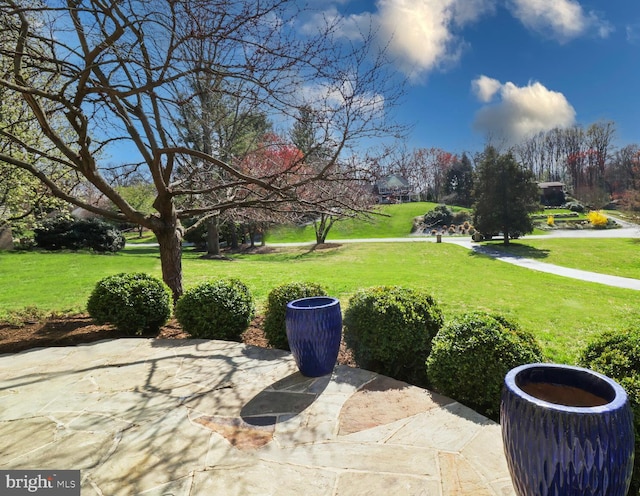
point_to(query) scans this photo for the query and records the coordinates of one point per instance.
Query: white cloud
(466, 11)
(424, 35)
(420, 35)
(520, 112)
(422, 32)
(485, 88)
(562, 20)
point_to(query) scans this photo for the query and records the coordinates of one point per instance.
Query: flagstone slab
(265, 478)
(352, 484)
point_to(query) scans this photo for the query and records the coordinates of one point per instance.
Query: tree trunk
(320, 228)
(170, 241)
(320, 236)
(213, 236)
(234, 236)
(506, 238)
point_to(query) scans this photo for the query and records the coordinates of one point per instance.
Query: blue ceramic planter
(566, 431)
(314, 329)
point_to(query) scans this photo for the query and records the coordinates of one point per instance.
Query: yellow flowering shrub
(597, 218)
(550, 221)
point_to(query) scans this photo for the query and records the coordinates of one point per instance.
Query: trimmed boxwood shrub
(64, 232)
(389, 330)
(617, 355)
(471, 356)
(221, 309)
(134, 303)
(274, 318)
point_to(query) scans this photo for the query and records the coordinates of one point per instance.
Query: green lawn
(63, 281)
(395, 222)
(562, 313)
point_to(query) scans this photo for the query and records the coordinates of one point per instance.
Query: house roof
(551, 184)
(393, 181)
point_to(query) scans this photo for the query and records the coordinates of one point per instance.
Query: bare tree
(347, 198)
(112, 70)
(572, 155)
(346, 195)
(623, 171)
(599, 137)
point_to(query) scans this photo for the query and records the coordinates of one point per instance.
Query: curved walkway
(201, 418)
(583, 275)
(627, 231)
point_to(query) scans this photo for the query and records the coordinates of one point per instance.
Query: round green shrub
(471, 356)
(134, 303)
(389, 330)
(274, 318)
(617, 355)
(216, 310)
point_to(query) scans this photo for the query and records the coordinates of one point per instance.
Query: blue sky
(507, 68)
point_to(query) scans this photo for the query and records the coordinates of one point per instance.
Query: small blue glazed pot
(566, 431)
(314, 329)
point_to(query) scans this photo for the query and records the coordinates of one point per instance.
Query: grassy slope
(563, 313)
(394, 222)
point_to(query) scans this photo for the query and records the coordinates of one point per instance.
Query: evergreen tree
(505, 195)
(460, 181)
(310, 137)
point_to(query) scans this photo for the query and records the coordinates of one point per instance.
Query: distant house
(552, 193)
(392, 189)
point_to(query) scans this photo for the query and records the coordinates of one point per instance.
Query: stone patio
(199, 417)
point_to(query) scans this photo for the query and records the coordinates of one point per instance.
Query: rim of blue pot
(617, 400)
(313, 302)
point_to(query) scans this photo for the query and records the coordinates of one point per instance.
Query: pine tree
(505, 195)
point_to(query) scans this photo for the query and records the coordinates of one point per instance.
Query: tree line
(585, 160)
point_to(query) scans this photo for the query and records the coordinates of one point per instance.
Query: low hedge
(135, 303)
(617, 355)
(216, 310)
(471, 356)
(64, 232)
(274, 318)
(389, 330)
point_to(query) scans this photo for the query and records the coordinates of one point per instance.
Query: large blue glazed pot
(314, 329)
(566, 431)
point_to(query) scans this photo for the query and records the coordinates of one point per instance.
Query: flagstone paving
(199, 417)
